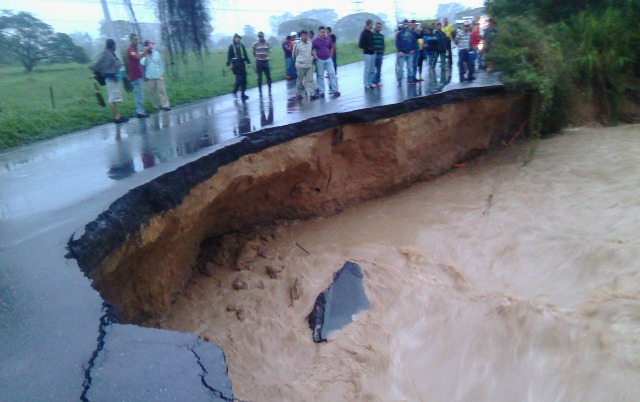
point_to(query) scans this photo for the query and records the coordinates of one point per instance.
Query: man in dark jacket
(334, 57)
(366, 44)
(237, 59)
(417, 55)
(440, 50)
(406, 44)
(378, 46)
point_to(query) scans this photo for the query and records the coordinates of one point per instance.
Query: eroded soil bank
(498, 281)
(143, 251)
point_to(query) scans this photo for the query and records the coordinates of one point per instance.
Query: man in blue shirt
(406, 45)
(440, 48)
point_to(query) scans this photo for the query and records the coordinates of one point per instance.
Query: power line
(120, 3)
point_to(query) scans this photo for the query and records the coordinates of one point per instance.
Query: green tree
(63, 50)
(298, 24)
(25, 36)
(348, 29)
(555, 47)
(85, 41)
(185, 26)
(549, 10)
(326, 15)
(249, 32)
(603, 61)
(276, 20)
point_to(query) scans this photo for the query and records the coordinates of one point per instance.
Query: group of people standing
(144, 66)
(291, 72)
(238, 62)
(416, 45)
(318, 51)
(304, 52)
(372, 44)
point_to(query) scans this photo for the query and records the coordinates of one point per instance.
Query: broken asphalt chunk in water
(335, 307)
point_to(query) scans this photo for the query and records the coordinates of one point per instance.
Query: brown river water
(498, 281)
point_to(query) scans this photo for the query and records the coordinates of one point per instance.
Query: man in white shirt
(153, 75)
(303, 56)
(463, 40)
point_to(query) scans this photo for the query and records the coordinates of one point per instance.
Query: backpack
(100, 78)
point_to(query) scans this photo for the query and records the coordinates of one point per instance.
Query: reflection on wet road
(89, 161)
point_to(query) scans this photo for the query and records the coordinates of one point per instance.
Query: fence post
(53, 102)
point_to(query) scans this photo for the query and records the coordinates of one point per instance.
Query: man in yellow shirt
(450, 31)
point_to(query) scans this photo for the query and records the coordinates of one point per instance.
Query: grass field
(27, 113)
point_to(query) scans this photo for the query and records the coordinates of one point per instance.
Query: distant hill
(456, 11)
(449, 10)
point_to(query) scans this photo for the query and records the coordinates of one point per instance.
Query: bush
(531, 60)
(603, 55)
(594, 45)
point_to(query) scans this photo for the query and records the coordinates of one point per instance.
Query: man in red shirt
(475, 42)
(136, 74)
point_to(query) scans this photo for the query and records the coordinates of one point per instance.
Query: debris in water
(335, 307)
(302, 248)
(489, 201)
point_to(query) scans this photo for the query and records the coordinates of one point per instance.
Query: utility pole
(396, 9)
(132, 16)
(357, 4)
(107, 20)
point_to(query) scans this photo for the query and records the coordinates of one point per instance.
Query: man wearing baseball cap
(153, 75)
(463, 40)
(261, 53)
(237, 60)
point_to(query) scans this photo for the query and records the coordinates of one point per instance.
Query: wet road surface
(49, 314)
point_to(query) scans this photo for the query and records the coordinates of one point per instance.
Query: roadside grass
(27, 113)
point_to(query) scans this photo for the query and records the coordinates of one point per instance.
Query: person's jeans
(416, 59)
(326, 65)
(429, 57)
(434, 61)
(369, 65)
(157, 90)
(290, 68)
(304, 74)
(241, 78)
(406, 59)
(262, 66)
(473, 55)
(138, 94)
(378, 65)
(464, 55)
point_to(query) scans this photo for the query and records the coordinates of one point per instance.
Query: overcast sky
(229, 16)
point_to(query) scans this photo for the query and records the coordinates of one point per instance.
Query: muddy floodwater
(498, 281)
